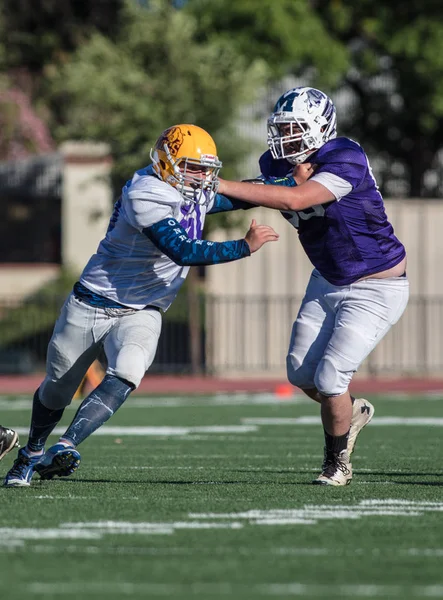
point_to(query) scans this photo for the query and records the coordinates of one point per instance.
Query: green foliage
(123, 70)
(154, 75)
(38, 312)
(396, 80)
(287, 34)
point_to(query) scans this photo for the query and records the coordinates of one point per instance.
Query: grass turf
(204, 513)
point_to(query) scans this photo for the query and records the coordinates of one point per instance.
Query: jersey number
(294, 216)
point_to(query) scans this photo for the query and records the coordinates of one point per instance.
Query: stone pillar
(86, 200)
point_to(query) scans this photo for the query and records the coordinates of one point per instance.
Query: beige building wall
(255, 335)
(86, 207)
(86, 200)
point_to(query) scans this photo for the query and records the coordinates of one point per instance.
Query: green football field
(210, 497)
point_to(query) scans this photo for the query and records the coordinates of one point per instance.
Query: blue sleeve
(225, 204)
(288, 181)
(171, 239)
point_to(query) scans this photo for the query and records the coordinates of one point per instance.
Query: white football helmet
(302, 121)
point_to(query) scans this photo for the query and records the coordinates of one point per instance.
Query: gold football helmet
(185, 156)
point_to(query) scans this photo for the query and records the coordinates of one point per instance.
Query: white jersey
(128, 268)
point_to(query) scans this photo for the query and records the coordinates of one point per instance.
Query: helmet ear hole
(162, 164)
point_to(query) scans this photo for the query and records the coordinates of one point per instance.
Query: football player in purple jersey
(324, 186)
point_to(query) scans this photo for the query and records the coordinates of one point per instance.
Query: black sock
(336, 443)
(43, 421)
(97, 408)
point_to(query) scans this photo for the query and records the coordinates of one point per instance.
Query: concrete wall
(253, 336)
(86, 200)
(86, 207)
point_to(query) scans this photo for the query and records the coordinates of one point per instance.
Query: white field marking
(397, 501)
(221, 456)
(24, 402)
(75, 498)
(10, 544)
(130, 527)
(217, 400)
(427, 552)
(177, 551)
(158, 431)
(16, 404)
(267, 469)
(234, 590)
(17, 545)
(311, 514)
(10, 403)
(97, 530)
(31, 533)
(354, 591)
(306, 515)
(437, 421)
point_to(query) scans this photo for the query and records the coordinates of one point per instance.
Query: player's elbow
(179, 259)
(292, 202)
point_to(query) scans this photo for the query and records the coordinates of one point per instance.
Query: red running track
(163, 384)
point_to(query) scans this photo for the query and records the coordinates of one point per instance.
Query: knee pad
(329, 380)
(131, 364)
(298, 373)
(56, 393)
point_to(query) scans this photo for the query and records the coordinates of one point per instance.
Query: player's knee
(55, 394)
(131, 365)
(329, 380)
(298, 373)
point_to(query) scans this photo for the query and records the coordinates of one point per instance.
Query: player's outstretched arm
(171, 239)
(281, 194)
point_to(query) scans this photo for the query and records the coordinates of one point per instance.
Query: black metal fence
(237, 335)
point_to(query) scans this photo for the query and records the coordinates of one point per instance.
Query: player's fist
(303, 172)
(259, 235)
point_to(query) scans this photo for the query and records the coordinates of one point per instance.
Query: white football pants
(129, 338)
(338, 326)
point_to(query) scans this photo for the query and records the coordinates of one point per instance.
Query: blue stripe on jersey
(171, 239)
(93, 299)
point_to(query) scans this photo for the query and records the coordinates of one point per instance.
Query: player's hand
(259, 235)
(303, 172)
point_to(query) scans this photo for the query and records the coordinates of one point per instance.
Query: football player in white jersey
(154, 236)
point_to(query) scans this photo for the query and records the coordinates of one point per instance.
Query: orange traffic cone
(93, 378)
(284, 390)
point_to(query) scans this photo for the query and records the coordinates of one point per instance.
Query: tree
(287, 34)
(34, 36)
(127, 91)
(396, 86)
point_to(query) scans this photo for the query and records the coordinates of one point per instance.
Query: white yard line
(234, 589)
(156, 431)
(312, 420)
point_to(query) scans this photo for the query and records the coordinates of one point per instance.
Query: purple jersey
(351, 237)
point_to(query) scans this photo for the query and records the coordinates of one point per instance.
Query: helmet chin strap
(298, 160)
